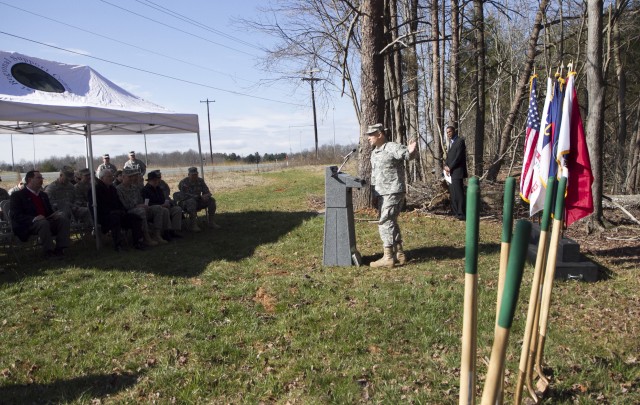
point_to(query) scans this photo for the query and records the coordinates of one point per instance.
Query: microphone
(345, 159)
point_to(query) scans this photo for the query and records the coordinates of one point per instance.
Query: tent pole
(96, 227)
(146, 156)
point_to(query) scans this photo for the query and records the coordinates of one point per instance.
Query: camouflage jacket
(60, 195)
(4, 194)
(130, 196)
(109, 166)
(192, 190)
(81, 196)
(136, 164)
(387, 168)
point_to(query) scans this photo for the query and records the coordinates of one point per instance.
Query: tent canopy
(43, 97)
(39, 96)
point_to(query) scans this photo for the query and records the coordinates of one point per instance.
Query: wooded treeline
(419, 65)
(331, 154)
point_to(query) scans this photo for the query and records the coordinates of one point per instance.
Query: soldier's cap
(130, 172)
(106, 156)
(152, 175)
(193, 170)
(67, 171)
(132, 153)
(372, 129)
(84, 172)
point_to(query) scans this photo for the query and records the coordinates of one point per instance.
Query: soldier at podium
(388, 181)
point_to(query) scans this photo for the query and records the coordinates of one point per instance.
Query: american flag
(531, 139)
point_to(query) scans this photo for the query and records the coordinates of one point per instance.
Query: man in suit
(32, 214)
(456, 167)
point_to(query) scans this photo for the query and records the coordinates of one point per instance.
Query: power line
(191, 21)
(126, 43)
(151, 72)
(176, 28)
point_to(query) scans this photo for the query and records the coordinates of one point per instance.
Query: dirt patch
(268, 302)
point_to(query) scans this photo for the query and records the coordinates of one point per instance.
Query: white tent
(43, 97)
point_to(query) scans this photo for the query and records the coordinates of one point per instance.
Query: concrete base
(570, 263)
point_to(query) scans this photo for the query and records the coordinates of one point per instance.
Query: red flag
(579, 199)
(530, 141)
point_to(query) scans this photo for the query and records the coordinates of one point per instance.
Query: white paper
(447, 177)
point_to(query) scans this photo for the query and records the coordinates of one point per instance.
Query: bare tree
(521, 92)
(596, 94)
(372, 86)
(479, 84)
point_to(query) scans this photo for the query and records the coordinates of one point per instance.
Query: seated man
(156, 197)
(80, 200)
(112, 216)
(164, 186)
(32, 214)
(193, 196)
(61, 194)
(118, 178)
(4, 194)
(130, 194)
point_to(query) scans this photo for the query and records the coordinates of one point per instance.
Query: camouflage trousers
(192, 205)
(156, 214)
(389, 207)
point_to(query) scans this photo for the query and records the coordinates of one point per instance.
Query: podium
(339, 231)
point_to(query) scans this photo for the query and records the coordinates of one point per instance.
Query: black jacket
(457, 159)
(23, 211)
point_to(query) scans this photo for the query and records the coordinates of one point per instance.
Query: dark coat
(154, 194)
(23, 211)
(457, 159)
(108, 201)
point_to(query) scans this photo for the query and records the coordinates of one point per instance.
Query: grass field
(248, 314)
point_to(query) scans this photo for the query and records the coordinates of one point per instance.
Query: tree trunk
(438, 131)
(372, 88)
(412, 118)
(634, 156)
(621, 110)
(479, 85)
(596, 93)
(454, 65)
(521, 93)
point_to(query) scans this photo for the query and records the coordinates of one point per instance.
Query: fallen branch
(610, 200)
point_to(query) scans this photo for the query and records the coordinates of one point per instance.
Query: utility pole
(209, 122)
(311, 80)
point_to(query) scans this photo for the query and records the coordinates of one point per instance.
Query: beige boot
(148, 240)
(386, 260)
(158, 237)
(399, 257)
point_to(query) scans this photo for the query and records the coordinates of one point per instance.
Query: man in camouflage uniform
(193, 196)
(18, 186)
(130, 194)
(388, 181)
(81, 192)
(136, 164)
(61, 195)
(106, 164)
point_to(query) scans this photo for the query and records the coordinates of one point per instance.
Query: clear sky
(219, 55)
